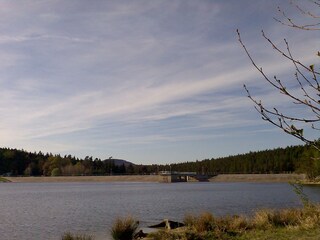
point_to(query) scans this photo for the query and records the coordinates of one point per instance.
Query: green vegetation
(281, 234)
(124, 228)
(3, 180)
(298, 159)
(55, 172)
(14, 162)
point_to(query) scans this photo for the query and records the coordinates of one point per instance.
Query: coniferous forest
(298, 159)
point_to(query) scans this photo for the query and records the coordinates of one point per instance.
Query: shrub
(205, 226)
(287, 217)
(310, 216)
(203, 223)
(267, 218)
(55, 172)
(124, 228)
(190, 220)
(231, 225)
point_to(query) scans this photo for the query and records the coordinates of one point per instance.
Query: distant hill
(119, 162)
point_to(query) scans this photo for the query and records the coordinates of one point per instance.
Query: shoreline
(253, 178)
(129, 178)
(259, 178)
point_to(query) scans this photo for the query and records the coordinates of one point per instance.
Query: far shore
(292, 177)
(258, 178)
(126, 178)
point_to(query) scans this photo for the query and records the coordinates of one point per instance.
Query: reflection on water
(47, 210)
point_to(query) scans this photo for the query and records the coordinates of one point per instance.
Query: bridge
(172, 176)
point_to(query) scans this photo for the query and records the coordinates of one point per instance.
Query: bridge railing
(177, 173)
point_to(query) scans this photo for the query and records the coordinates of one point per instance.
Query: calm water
(47, 210)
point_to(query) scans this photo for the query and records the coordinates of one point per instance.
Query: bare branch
(282, 121)
(278, 84)
(276, 113)
(290, 23)
(306, 76)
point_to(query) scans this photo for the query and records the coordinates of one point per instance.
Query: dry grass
(266, 219)
(204, 222)
(124, 228)
(274, 222)
(70, 236)
(307, 218)
(206, 226)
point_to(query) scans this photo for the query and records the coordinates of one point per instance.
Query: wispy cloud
(17, 39)
(118, 77)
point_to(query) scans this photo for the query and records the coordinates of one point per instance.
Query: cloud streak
(123, 78)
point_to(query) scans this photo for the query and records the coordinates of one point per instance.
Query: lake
(47, 210)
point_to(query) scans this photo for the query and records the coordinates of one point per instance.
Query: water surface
(46, 210)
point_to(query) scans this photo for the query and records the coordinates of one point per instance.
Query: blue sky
(148, 81)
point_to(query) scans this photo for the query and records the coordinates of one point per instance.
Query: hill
(118, 162)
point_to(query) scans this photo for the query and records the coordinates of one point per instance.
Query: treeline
(15, 162)
(299, 159)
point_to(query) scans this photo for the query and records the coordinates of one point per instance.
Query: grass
(265, 224)
(124, 228)
(4, 179)
(70, 236)
(281, 234)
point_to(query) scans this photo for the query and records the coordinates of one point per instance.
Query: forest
(298, 159)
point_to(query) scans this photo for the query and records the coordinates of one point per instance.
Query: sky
(149, 81)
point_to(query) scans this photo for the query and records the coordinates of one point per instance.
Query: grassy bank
(264, 224)
(292, 177)
(4, 179)
(124, 178)
(281, 234)
(155, 178)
